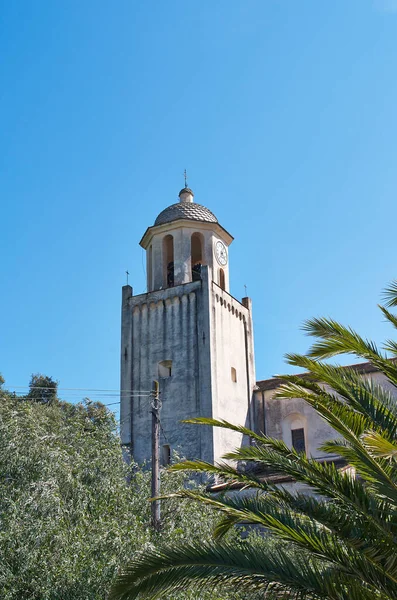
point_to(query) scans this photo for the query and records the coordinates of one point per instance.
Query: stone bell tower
(188, 333)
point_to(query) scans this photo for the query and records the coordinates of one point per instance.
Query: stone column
(182, 258)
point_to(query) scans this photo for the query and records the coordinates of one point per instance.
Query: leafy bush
(68, 519)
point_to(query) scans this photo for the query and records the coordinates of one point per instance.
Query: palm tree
(340, 542)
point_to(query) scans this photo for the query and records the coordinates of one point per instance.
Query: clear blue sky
(282, 111)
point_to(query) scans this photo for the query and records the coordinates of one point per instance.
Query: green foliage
(339, 541)
(68, 520)
(42, 389)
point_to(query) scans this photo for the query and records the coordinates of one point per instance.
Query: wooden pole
(156, 456)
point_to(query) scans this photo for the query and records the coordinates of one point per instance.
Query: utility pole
(156, 405)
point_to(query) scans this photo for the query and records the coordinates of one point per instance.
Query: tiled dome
(186, 210)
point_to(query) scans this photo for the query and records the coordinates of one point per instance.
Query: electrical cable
(161, 427)
(94, 399)
(97, 394)
(39, 387)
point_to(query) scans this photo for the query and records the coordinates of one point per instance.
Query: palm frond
(389, 316)
(205, 565)
(324, 479)
(340, 541)
(298, 529)
(391, 347)
(345, 420)
(366, 397)
(354, 524)
(337, 339)
(224, 471)
(390, 294)
(350, 425)
(379, 446)
(225, 425)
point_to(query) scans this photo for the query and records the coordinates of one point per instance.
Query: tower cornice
(223, 234)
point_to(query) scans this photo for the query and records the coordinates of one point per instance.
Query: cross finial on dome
(186, 195)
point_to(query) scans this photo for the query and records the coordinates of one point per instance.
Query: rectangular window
(166, 455)
(165, 368)
(298, 439)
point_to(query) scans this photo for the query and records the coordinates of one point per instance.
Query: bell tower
(188, 333)
(185, 236)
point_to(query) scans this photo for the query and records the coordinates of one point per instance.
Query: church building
(188, 333)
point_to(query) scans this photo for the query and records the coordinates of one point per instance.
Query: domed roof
(185, 210)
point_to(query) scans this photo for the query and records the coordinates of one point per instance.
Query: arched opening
(168, 254)
(150, 269)
(221, 278)
(196, 255)
(234, 375)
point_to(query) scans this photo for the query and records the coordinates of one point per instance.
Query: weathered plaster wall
(277, 415)
(161, 326)
(280, 414)
(204, 332)
(232, 346)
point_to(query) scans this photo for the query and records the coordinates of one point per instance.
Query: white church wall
(282, 415)
(233, 390)
(279, 416)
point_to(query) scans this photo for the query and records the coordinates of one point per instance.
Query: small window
(166, 455)
(221, 278)
(298, 439)
(165, 368)
(234, 375)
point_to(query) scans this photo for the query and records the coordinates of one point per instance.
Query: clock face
(221, 253)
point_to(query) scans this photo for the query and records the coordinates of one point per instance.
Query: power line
(161, 427)
(39, 387)
(94, 399)
(90, 397)
(103, 403)
(97, 395)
